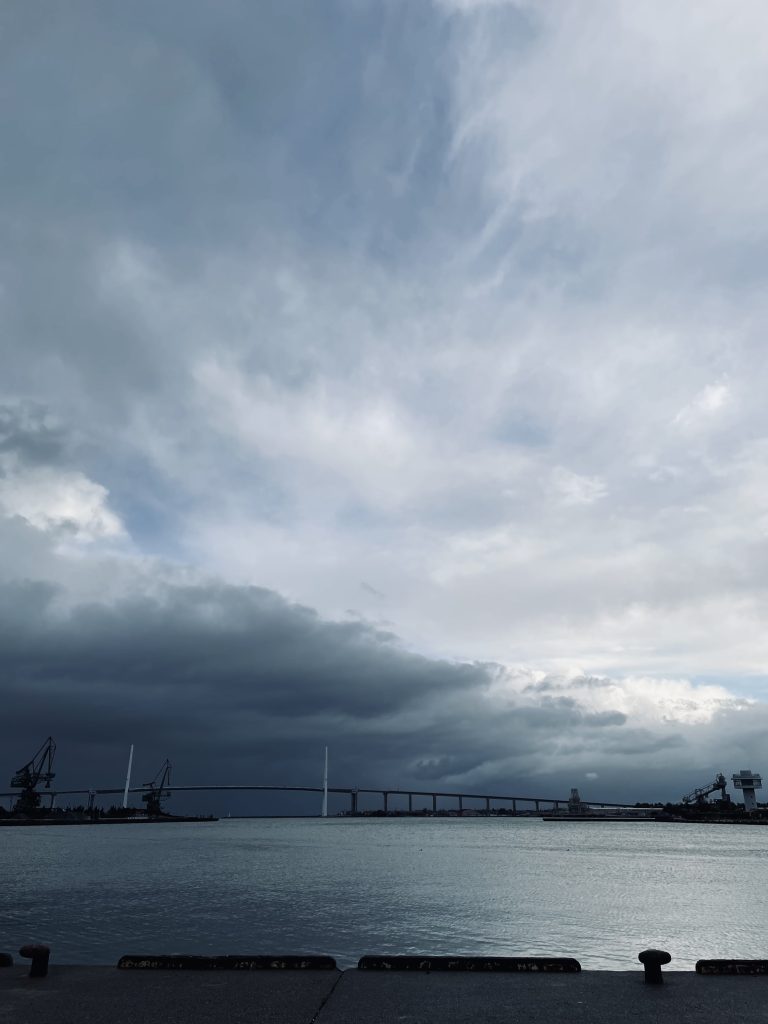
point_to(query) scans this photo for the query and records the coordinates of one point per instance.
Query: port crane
(159, 790)
(698, 796)
(38, 770)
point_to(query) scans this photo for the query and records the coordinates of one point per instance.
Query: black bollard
(39, 955)
(6, 960)
(652, 959)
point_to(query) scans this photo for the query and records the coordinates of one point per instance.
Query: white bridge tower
(324, 812)
(748, 782)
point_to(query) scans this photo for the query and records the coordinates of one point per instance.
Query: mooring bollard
(6, 960)
(652, 959)
(39, 955)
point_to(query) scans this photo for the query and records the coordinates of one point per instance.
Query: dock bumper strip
(526, 964)
(732, 966)
(226, 963)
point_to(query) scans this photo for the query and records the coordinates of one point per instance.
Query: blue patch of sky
(153, 507)
(755, 686)
(147, 502)
(746, 686)
(520, 429)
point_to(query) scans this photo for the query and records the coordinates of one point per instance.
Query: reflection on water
(600, 892)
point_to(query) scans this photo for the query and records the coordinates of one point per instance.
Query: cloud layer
(236, 684)
(444, 321)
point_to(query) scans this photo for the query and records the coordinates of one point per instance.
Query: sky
(386, 375)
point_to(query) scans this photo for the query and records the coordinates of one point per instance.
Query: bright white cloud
(575, 489)
(59, 501)
(322, 428)
(703, 408)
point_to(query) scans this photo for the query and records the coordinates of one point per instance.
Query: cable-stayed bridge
(392, 800)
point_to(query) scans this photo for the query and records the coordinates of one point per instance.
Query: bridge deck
(338, 790)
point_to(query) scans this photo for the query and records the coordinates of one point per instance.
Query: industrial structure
(576, 805)
(38, 770)
(747, 781)
(700, 795)
(158, 790)
(38, 773)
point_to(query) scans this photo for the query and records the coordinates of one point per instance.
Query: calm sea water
(599, 892)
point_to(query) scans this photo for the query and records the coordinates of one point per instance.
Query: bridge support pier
(461, 805)
(353, 802)
(434, 803)
(514, 806)
(386, 802)
(487, 805)
(410, 803)
(536, 804)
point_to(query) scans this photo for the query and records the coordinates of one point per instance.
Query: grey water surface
(504, 886)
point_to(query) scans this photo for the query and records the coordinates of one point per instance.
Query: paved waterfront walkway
(105, 995)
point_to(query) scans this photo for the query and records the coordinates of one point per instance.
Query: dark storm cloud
(566, 711)
(211, 667)
(598, 719)
(236, 682)
(438, 767)
(643, 741)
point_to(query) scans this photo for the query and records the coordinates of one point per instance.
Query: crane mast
(159, 790)
(34, 773)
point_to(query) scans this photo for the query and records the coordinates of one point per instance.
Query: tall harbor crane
(159, 790)
(38, 770)
(698, 796)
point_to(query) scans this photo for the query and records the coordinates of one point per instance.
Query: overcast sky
(386, 375)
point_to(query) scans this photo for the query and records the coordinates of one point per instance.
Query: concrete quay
(106, 995)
